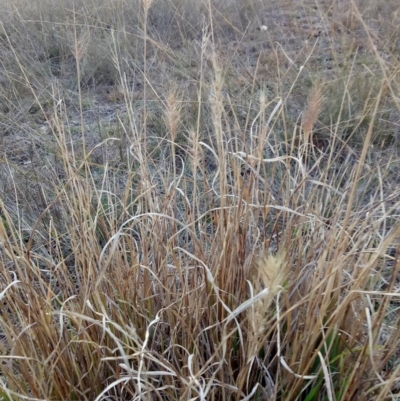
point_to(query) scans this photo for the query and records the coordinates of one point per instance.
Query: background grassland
(199, 200)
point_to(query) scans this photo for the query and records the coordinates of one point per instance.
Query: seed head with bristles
(147, 4)
(267, 272)
(311, 114)
(172, 114)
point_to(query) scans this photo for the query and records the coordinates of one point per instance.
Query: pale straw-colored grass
(194, 248)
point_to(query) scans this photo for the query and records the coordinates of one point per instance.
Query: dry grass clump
(209, 215)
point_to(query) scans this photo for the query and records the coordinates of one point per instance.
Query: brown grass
(194, 208)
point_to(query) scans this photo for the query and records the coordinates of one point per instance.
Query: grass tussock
(199, 201)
